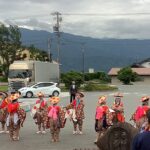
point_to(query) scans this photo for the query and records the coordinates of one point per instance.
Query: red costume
(119, 110)
(13, 107)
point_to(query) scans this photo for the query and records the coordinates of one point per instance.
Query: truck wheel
(55, 93)
(29, 94)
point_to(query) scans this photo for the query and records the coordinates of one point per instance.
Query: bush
(126, 75)
(67, 78)
(98, 87)
(3, 79)
(102, 76)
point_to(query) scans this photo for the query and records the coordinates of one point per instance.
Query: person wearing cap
(78, 106)
(13, 117)
(141, 141)
(118, 107)
(140, 114)
(40, 116)
(3, 111)
(73, 91)
(54, 118)
(100, 117)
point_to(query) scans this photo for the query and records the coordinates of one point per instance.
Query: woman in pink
(54, 118)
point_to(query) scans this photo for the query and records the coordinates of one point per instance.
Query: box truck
(23, 73)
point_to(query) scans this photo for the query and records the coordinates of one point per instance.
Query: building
(144, 74)
(142, 64)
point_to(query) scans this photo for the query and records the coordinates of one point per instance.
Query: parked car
(47, 88)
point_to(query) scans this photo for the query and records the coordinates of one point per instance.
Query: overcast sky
(36, 14)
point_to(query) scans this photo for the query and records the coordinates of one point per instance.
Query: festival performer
(16, 117)
(100, 117)
(3, 111)
(40, 116)
(54, 118)
(139, 116)
(118, 107)
(78, 112)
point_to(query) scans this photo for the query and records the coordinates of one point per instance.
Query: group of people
(52, 116)
(46, 116)
(106, 116)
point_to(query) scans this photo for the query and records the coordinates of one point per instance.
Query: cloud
(37, 15)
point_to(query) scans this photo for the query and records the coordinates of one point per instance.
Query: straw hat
(54, 100)
(102, 99)
(80, 93)
(40, 94)
(144, 98)
(14, 97)
(118, 95)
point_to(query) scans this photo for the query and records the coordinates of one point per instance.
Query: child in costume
(118, 107)
(78, 109)
(140, 114)
(40, 116)
(54, 118)
(100, 116)
(3, 110)
(13, 121)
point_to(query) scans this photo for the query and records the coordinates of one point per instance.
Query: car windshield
(20, 73)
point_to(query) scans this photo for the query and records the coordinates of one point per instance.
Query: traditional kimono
(78, 107)
(3, 113)
(100, 118)
(140, 116)
(119, 110)
(41, 115)
(13, 121)
(54, 121)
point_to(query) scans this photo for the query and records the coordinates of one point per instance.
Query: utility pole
(56, 29)
(83, 61)
(49, 49)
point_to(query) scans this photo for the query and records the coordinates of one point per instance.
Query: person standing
(54, 118)
(77, 106)
(40, 116)
(118, 107)
(3, 111)
(13, 122)
(73, 91)
(141, 140)
(100, 117)
(140, 114)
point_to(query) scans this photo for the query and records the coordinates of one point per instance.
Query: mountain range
(78, 52)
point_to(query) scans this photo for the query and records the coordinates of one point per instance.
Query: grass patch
(99, 87)
(4, 88)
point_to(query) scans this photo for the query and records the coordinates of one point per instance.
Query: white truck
(23, 73)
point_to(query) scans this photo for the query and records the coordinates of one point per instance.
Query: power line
(82, 14)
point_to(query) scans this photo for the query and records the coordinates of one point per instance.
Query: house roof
(139, 71)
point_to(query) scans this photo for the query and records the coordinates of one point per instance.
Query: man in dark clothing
(142, 140)
(73, 91)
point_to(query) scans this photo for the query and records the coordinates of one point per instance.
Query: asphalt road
(29, 140)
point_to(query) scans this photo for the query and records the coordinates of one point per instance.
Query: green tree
(68, 77)
(9, 45)
(126, 75)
